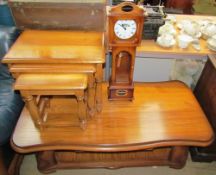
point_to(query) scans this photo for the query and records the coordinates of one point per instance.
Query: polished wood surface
(54, 68)
(151, 48)
(205, 92)
(35, 46)
(51, 82)
(162, 114)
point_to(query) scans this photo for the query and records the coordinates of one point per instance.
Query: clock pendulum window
(124, 34)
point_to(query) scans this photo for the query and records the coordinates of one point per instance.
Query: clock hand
(122, 26)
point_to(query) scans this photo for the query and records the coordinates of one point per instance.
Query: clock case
(123, 51)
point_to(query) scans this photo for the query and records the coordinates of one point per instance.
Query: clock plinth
(125, 34)
(121, 92)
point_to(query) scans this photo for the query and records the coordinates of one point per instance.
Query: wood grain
(162, 114)
(35, 46)
(67, 15)
(50, 161)
(51, 82)
(54, 68)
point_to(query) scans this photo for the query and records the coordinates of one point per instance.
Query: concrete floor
(29, 167)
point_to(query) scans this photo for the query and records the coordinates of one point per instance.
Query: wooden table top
(150, 47)
(38, 46)
(162, 114)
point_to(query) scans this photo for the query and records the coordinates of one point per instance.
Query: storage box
(55, 14)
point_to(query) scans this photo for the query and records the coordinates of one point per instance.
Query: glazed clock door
(123, 63)
(121, 81)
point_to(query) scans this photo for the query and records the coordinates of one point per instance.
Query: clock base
(120, 92)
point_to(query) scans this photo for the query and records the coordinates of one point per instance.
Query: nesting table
(60, 52)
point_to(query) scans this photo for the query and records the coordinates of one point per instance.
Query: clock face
(125, 29)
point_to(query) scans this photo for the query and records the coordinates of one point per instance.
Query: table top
(162, 114)
(150, 47)
(40, 46)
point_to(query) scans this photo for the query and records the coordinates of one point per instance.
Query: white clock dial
(125, 29)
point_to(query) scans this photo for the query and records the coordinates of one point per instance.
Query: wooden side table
(38, 89)
(154, 129)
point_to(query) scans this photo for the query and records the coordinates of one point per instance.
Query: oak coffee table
(155, 128)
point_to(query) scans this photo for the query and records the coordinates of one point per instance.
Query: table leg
(178, 156)
(81, 109)
(32, 107)
(45, 161)
(91, 95)
(99, 75)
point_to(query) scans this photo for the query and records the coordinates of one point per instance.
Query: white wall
(152, 69)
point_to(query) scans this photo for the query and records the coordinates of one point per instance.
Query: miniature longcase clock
(125, 30)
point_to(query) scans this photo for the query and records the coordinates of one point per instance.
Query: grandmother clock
(125, 31)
